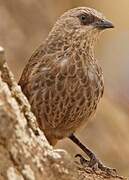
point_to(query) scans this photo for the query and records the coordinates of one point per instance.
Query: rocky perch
(25, 153)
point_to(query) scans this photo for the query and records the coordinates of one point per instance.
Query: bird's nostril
(104, 24)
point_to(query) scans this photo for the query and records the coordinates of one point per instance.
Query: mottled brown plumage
(62, 80)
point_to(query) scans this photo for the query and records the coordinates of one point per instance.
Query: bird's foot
(96, 165)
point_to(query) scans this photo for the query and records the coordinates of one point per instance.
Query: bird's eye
(83, 17)
(86, 19)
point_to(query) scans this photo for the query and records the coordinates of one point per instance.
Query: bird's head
(84, 19)
(80, 24)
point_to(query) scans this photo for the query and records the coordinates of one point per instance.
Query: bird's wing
(42, 81)
(26, 74)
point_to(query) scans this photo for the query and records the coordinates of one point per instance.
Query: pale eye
(83, 18)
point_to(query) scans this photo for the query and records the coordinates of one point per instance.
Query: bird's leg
(94, 161)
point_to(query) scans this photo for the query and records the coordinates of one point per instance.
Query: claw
(95, 164)
(109, 171)
(83, 161)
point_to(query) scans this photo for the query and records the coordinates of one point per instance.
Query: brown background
(23, 26)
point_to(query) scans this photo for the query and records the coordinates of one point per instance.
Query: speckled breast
(83, 93)
(71, 100)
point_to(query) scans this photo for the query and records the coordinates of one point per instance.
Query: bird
(63, 80)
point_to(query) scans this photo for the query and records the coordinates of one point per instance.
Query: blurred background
(24, 24)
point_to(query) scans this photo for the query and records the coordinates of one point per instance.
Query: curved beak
(104, 24)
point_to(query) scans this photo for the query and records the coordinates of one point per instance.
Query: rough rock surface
(24, 151)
